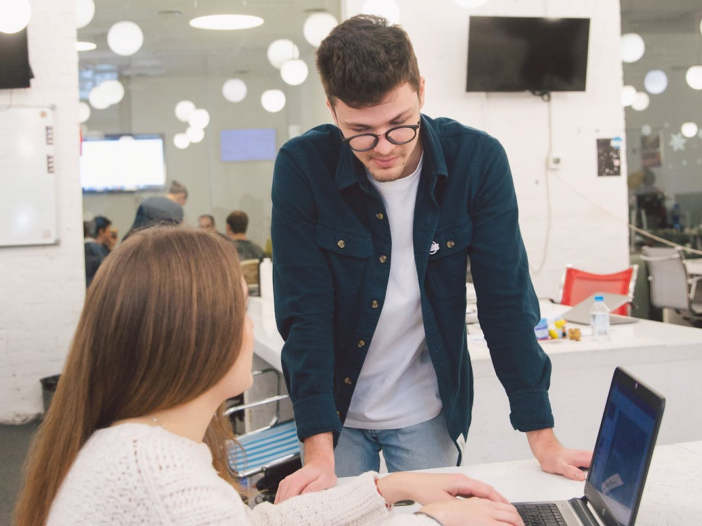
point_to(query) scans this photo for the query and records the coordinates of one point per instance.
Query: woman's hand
(473, 512)
(426, 488)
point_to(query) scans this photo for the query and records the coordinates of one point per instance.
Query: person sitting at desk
(136, 432)
(237, 223)
(97, 245)
(154, 211)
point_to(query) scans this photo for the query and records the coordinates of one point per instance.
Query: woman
(136, 433)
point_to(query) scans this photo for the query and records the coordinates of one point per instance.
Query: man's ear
(421, 92)
(333, 113)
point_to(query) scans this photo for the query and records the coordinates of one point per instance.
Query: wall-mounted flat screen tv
(527, 54)
(248, 144)
(122, 163)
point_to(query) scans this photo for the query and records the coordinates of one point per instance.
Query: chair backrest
(668, 277)
(249, 269)
(579, 285)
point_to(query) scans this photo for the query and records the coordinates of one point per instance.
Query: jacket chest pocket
(347, 254)
(448, 263)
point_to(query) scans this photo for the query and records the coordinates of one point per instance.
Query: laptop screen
(622, 451)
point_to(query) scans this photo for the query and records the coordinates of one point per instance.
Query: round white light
(125, 38)
(183, 110)
(199, 119)
(632, 47)
(628, 95)
(281, 51)
(112, 90)
(85, 11)
(85, 46)
(195, 135)
(14, 15)
(642, 101)
(646, 129)
(83, 111)
(317, 27)
(694, 77)
(656, 82)
(273, 100)
(97, 99)
(294, 72)
(181, 141)
(226, 22)
(471, 3)
(689, 129)
(234, 90)
(386, 8)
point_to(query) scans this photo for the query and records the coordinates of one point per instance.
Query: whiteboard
(27, 177)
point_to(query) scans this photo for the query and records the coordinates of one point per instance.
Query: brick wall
(42, 288)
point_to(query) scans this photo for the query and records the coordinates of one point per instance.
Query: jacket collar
(349, 170)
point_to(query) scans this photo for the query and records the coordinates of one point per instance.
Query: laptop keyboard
(540, 514)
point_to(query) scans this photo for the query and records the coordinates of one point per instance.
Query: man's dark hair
(99, 223)
(238, 222)
(208, 216)
(178, 188)
(365, 58)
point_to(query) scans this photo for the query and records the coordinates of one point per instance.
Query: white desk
(671, 495)
(668, 357)
(694, 267)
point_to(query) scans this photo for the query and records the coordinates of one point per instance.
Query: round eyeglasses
(365, 142)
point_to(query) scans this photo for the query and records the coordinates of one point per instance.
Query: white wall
(580, 234)
(43, 287)
(215, 187)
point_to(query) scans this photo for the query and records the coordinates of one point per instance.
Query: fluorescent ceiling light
(226, 22)
(85, 46)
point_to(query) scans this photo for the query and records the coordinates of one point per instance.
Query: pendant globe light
(273, 100)
(234, 90)
(294, 72)
(125, 38)
(317, 27)
(280, 51)
(14, 15)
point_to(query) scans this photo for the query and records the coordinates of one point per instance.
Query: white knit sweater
(139, 474)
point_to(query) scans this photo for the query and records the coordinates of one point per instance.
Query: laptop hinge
(581, 507)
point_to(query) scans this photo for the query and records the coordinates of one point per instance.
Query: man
(206, 223)
(178, 193)
(373, 222)
(237, 224)
(97, 245)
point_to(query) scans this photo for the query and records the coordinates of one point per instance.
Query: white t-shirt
(397, 386)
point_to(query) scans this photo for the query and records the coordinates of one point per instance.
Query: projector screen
(122, 163)
(254, 144)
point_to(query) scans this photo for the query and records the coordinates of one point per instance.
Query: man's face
(103, 235)
(205, 224)
(401, 106)
(180, 199)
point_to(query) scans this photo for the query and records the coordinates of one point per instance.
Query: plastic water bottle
(265, 278)
(599, 320)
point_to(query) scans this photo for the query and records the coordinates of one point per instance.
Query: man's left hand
(554, 458)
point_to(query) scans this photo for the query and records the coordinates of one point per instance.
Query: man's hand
(426, 488)
(554, 458)
(317, 473)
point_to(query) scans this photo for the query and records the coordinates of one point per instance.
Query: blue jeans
(426, 445)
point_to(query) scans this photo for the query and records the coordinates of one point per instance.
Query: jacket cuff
(530, 410)
(315, 415)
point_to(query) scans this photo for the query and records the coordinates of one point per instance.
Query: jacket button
(340, 243)
(450, 243)
(383, 258)
(361, 343)
(379, 215)
(348, 381)
(375, 304)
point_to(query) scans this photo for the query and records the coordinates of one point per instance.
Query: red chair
(578, 285)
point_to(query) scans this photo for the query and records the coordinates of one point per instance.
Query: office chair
(671, 285)
(272, 450)
(577, 285)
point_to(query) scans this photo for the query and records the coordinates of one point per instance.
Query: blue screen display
(621, 451)
(255, 144)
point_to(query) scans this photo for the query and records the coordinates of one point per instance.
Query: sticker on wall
(609, 157)
(677, 142)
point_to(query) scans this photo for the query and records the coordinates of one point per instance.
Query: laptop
(615, 481)
(580, 313)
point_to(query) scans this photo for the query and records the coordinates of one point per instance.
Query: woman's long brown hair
(162, 323)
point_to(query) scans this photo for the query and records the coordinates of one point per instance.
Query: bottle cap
(599, 298)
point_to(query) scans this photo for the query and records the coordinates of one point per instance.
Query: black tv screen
(14, 60)
(527, 54)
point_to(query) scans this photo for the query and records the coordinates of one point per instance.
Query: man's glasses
(365, 142)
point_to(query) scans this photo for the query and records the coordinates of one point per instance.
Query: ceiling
(173, 48)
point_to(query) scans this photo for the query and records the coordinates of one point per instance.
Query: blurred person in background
(237, 224)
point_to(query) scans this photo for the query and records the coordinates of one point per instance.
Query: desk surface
(671, 495)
